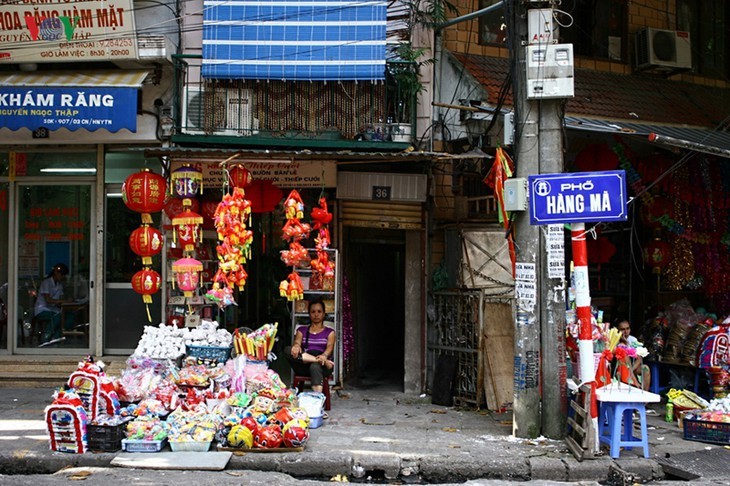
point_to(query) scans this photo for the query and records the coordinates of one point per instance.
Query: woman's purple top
(317, 342)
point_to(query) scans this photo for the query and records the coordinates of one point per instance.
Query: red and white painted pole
(582, 302)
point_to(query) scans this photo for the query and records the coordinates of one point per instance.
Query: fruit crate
(712, 432)
(133, 445)
(219, 354)
(105, 438)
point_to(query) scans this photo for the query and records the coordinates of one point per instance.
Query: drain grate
(714, 463)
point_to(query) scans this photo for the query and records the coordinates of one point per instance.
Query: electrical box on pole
(550, 71)
(541, 27)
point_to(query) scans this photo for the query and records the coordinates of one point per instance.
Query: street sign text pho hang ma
(577, 197)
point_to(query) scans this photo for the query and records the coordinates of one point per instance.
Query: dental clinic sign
(91, 108)
(577, 197)
(33, 31)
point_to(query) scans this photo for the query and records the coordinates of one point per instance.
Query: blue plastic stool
(616, 428)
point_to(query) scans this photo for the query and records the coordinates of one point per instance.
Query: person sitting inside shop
(639, 372)
(313, 346)
(48, 304)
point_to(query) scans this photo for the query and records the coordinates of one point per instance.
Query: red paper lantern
(188, 231)
(144, 192)
(187, 274)
(146, 282)
(174, 206)
(239, 176)
(264, 196)
(146, 242)
(657, 254)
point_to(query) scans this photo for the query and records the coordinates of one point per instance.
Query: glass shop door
(55, 265)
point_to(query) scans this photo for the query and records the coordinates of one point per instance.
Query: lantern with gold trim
(144, 192)
(187, 229)
(187, 182)
(146, 282)
(146, 242)
(657, 255)
(187, 274)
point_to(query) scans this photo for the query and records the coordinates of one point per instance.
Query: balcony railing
(278, 112)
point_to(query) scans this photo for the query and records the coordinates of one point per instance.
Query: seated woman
(639, 372)
(312, 348)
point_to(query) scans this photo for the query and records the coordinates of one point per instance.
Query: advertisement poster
(34, 31)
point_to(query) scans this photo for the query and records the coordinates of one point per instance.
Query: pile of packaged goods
(189, 403)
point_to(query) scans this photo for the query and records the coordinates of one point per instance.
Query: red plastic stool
(299, 380)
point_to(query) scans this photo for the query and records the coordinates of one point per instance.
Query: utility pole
(526, 405)
(540, 293)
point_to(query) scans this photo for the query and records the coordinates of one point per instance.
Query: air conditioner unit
(153, 48)
(227, 112)
(657, 48)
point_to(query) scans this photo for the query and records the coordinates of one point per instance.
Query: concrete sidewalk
(379, 433)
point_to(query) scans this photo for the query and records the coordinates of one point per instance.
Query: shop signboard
(35, 31)
(71, 108)
(577, 197)
(284, 173)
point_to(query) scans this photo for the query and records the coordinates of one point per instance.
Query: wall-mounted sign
(34, 31)
(72, 108)
(577, 197)
(297, 174)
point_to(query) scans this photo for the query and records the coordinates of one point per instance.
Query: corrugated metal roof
(694, 135)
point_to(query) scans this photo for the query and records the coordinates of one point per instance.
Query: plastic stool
(614, 415)
(299, 380)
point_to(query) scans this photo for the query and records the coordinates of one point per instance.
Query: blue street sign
(577, 197)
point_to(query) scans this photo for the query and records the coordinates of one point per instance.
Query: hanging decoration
(144, 192)
(187, 275)
(146, 282)
(231, 219)
(502, 169)
(239, 176)
(188, 230)
(323, 270)
(264, 195)
(294, 231)
(146, 242)
(187, 182)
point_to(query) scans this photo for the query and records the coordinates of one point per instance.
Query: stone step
(29, 372)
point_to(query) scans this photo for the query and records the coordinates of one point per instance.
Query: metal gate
(484, 350)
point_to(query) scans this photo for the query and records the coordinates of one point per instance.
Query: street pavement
(379, 434)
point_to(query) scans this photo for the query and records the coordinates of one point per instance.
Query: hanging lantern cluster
(294, 231)
(323, 270)
(187, 182)
(231, 218)
(144, 192)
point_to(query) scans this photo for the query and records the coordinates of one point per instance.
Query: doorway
(375, 266)
(54, 267)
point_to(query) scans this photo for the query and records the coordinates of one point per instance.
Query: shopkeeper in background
(48, 303)
(639, 369)
(313, 346)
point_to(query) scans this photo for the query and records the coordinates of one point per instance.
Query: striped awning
(117, 79)
(309, 40)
